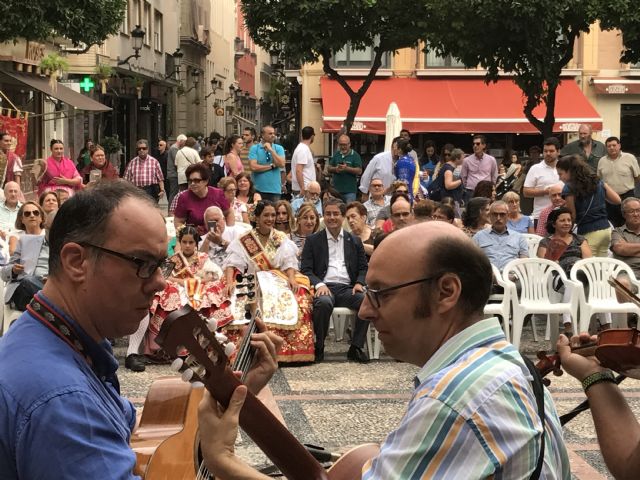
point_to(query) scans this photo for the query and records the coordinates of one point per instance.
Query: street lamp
(195, 79)
(215, 85)
(137, 35)
(177, 61)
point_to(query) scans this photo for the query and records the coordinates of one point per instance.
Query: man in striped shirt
(145, 173)
(473, 413)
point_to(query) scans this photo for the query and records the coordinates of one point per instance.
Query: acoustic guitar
(208, 365)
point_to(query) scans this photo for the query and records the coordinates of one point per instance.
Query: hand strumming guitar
(219, 428)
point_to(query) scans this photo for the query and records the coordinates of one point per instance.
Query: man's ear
(74, 261)
(449, 292)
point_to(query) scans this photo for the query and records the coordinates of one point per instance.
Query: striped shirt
(473, 415)
(144, 172)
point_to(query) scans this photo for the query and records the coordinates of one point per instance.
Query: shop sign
(35, 51)
(569, 127)
(618, 89)
(358, 126)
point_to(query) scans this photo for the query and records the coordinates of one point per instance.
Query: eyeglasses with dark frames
(374, 294)
(146, 268)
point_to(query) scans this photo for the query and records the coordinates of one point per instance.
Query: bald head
(433, 248)
(214, 214)
(11, 194)
(555, 195)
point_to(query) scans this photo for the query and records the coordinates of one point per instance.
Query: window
(157, 31)
(148, 25)
(432, 60)
(124, 27)
(135, 14)
(352, 58)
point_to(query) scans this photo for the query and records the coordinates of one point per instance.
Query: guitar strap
(51, 319)
(538, 390)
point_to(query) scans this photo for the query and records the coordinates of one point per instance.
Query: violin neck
(587, 350)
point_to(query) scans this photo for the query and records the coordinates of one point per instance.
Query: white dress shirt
(337, 269)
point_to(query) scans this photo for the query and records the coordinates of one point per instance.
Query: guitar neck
(271, 436)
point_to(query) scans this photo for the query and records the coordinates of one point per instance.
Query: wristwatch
(273, 166)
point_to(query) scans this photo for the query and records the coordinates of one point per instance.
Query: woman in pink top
(61, 172)
(232, 163)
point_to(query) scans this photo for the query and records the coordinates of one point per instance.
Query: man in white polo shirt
(541, 177)
(621, 172)
(303, 168)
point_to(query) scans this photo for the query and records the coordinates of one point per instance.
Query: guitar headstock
(207, 356)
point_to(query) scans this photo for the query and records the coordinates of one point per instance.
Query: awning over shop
(616, 86)
(452, 105)
(62, 93)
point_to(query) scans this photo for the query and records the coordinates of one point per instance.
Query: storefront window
(351, 58)
(630, 128)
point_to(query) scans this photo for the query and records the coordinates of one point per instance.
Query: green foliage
(54, 63)
(111, 144)
(624, 15)
(80, 21)
(103, 71)
(306, 31)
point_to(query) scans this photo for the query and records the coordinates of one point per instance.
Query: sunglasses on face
(29, 213)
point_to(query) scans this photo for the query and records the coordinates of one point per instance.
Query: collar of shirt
(483, 332)
(103, 362)
(335, 239)
(627, 229)
(506, 231)
(4, 205)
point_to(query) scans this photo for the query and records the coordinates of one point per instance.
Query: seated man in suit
(335, 262)
(28, 268)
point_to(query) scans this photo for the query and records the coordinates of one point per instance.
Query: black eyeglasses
(28, 213)
(146, 268)
(374, 294)
(143, 148)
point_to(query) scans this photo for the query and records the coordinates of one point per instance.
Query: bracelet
(597, 377)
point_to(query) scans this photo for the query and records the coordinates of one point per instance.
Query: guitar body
(165, 442)
(349, 466)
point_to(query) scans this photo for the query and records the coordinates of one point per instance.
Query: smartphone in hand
(212, 225)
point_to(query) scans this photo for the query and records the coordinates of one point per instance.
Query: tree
(625, 16)
(533, 39)
(86, 22)
(305, 31)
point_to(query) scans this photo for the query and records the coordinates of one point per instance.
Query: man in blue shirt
(61, 413)
(498, 243)
(267, 161)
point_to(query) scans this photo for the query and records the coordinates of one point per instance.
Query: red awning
(452, 105)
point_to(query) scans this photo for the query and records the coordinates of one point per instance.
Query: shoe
(134, 363)
(319, 356)
(357, 355)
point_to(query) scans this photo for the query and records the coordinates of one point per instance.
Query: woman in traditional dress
(61, 173)
(196, 281)
(286, 294)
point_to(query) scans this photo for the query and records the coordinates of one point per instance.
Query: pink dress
(64, 168)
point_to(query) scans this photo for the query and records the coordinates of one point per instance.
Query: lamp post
(195, 79)
(177, 62)
(137, 36)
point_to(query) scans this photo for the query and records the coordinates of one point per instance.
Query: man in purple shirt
(478, 167)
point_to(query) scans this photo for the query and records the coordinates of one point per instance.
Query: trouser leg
(322, 308)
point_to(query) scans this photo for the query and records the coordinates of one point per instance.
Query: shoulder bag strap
(538, 390)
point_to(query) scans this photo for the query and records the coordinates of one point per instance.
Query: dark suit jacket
(315, 258)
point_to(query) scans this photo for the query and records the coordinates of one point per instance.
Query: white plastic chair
(601, 297)
(534, 275)
(533, 241)
(339, 317)
(373, 342)
(501, 305)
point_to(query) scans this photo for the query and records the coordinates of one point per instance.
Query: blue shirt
(59, 418)
(269, 181)
(591, 211)
(503, 247)
(297, 203)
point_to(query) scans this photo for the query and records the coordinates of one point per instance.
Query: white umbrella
(393, 125)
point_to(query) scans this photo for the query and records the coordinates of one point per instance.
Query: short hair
(424, 208)
(404, 145)
(199, 167)
(552, 141)
(213, 208)
(610, 139)
(627, 201)
(142, 141)
(360, 208)
(480, 137)
(447, 210)
(207, 151)
(264, 127)
(469, 263)
(226, 181)
(213, 137)
(498, 203)
(181, 138)
(252, 131)
(457, 153)
(510, 195)
(396, 196)
(336, 202)
(553, 217)
(307, 133)
(405, 130)
(397, 184)
(20, 224)
(85, 216)
(44, 195)
(190, 142)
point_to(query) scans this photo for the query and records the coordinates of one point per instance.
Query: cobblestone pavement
(339, 404)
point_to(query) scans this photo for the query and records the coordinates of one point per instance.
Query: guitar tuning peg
(177, 364)
(250, 277)
(221, 338)
(229, 348)
(247, 315)
(212, 324)
(239, 278)
(187, 375)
